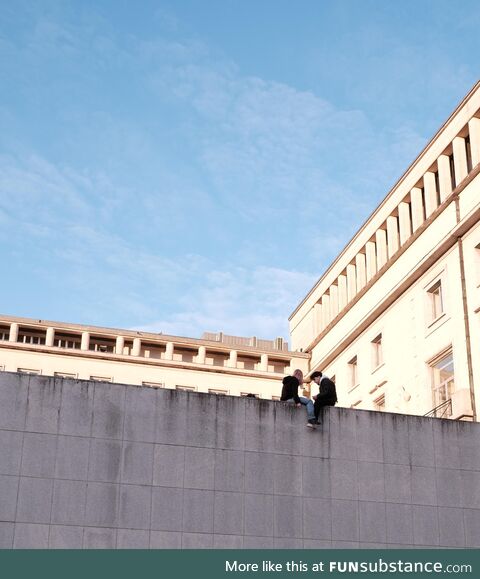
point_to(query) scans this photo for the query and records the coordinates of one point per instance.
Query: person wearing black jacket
(290, 394)
(327, 395)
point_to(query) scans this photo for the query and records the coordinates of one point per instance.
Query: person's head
(316, 377)
(298, 374)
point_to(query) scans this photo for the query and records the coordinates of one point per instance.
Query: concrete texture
(100, 465)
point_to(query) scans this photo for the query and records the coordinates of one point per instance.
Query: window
(69, 342)
(154, 384)
(379, 403)
(356, 404)
(353, 372)
(217, 391)
(4, 334)
(377, 352)
(31, 338)
(101, 378)
(28, 371)
(276, 398)
(249, 395)
(103, 346)
(186, 388)
(443, 379)
(435, 301)
(64, 375)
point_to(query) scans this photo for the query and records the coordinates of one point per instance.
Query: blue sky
(191, 166)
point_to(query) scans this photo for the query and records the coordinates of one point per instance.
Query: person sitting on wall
(327, 395)
(290, 394)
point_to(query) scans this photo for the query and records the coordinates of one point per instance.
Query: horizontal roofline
(183, 340)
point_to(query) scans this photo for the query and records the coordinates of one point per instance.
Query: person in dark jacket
(290, 394)
(327, 395)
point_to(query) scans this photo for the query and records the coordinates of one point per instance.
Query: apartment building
(216, 363)
(395, 319)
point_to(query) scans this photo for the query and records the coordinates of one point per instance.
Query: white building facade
(396, 317)
(218, 364)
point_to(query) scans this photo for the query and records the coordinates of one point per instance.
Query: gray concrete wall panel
(100, 465)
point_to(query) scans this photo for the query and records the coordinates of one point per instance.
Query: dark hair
(315, 375)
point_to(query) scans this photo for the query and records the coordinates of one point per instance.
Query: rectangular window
(377, 352)
(217, 391)
(186, 388)
(435, 299)
(64, 375)
(4, 334)
(101, 378)
(276, 398)
(443, 380)
(379, 403)
(154, 384)
(353, 372)
(28, 371)
(31, 338)
(356, 404)
(249, 395)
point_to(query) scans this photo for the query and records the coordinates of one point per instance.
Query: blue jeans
(308, 406)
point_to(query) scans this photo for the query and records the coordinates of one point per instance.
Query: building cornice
(463, 104)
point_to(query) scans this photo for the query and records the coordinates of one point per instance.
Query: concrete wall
(89, 464)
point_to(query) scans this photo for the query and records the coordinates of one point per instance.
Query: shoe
(311, 423)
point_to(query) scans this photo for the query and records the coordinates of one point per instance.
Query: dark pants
(319, 404)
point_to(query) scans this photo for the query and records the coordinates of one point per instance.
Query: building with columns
(396, 317)
(216, 363)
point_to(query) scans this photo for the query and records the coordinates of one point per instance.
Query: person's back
(327, 395)
(327, 392)
(290, 389)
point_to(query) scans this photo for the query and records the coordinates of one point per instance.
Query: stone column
(333, 291)
(264, 363)
(444, 176)
(459, 159)
(361, 269)
(232, 362)
(342, 292)
(137, 347)
(202, 354)
(317, 318)
(417, 208)
(50, 337)
(474, 131)
(85, 343)
(404, 222)
(169, 351)
(13, 335)
(119, 345)
(430, 189)
(392, 235)
(381, 243)
(370, 259)
(351, 281)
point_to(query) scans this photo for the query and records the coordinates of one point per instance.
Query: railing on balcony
(443, 410)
